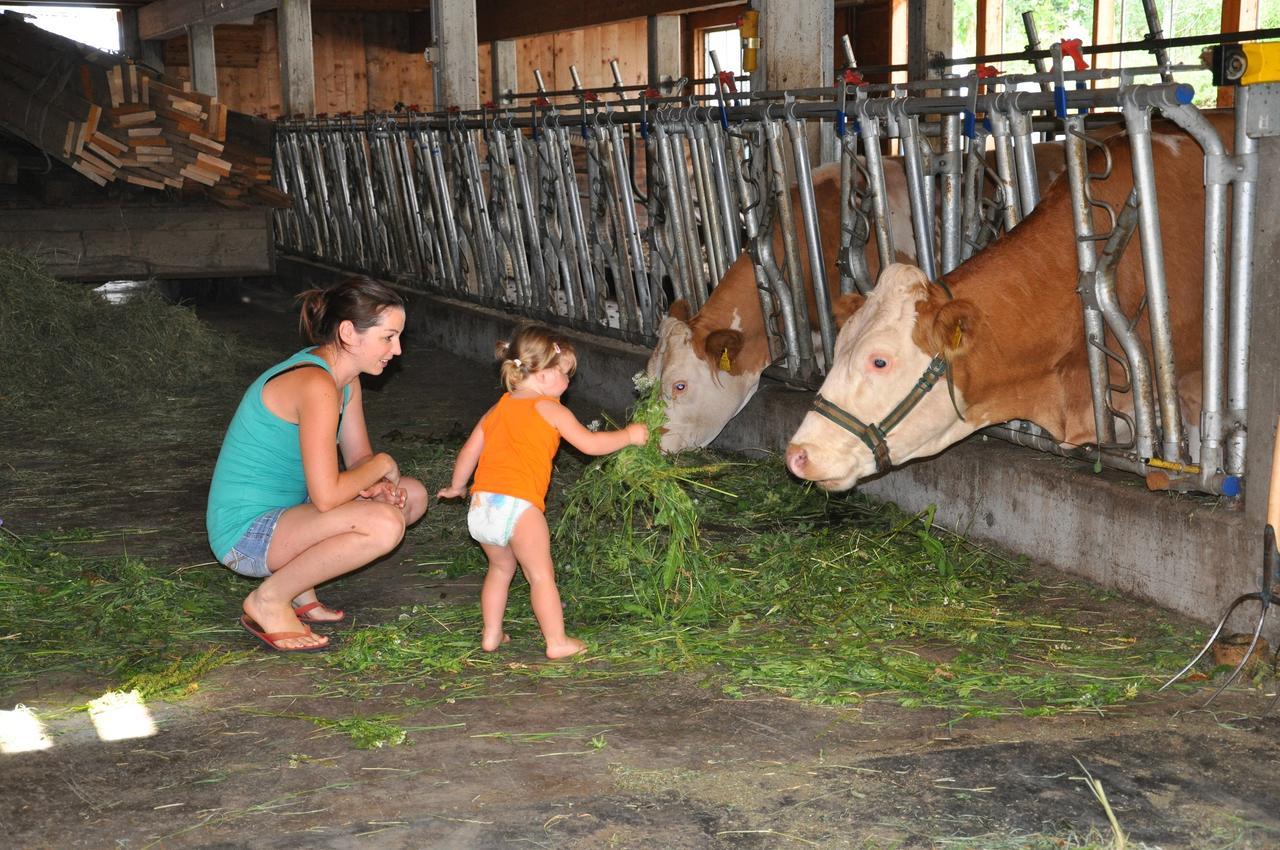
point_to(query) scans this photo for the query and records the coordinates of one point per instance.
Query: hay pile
(64, 350)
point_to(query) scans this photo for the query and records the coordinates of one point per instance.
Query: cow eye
(879, 363)
(678, 387)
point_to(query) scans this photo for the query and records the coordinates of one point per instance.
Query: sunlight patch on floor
(120, 716)
(21, 731)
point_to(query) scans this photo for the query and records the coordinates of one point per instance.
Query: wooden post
(990, 26)
(152, 54)
(929, 33)
(457, 65)
(297, 60)
(204, 68)
(130, 40)
(1264, 355)
(1237, 16)
(664, 50)
(797, 50)
(504, 73)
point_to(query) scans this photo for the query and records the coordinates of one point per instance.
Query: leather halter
(875, 435)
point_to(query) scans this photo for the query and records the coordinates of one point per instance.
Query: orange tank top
(518, 447)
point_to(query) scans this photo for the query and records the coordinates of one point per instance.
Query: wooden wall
(363, 61)
(374, 60)
(590, 49)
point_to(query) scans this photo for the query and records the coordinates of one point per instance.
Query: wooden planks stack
(113, 120)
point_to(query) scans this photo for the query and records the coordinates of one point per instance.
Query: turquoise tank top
(260, 465)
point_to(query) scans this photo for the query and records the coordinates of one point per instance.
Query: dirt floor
(617, 762)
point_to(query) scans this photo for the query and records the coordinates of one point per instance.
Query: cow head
(703, 382)
(882, 352)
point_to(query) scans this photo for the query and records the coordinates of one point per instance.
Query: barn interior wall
(372, 61)
(369, 61)
(589, 49)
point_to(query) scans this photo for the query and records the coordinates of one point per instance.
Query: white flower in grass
(643, 382)
(593, 425)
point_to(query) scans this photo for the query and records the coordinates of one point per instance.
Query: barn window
(1177, 18)
(98, 28)
(727, 43)
(964, 31)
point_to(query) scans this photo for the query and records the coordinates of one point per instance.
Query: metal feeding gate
(597, 212)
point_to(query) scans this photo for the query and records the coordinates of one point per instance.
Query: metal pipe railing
(545, 210)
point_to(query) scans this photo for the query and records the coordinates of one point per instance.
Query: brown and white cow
(692, 353)
(1010, 327)
(709, 365)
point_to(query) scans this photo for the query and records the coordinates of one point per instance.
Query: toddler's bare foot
(489, 644)
(565, 648)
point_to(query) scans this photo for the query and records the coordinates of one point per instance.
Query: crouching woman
(280, 507)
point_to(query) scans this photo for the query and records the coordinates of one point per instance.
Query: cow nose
(797, 460)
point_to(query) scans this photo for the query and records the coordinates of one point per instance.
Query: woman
(280, 507)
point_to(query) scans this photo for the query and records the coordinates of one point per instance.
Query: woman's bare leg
(531, 544)
(310, 547)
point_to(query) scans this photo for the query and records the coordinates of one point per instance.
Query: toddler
(510, 452)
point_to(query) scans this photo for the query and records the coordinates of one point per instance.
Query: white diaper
(493, 516)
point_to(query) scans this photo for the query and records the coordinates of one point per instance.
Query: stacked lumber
(112, 120)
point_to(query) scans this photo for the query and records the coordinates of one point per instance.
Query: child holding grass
(510, 451)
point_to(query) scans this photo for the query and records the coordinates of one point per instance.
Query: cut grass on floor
(731, 571)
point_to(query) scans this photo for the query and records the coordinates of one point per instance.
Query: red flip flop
(272, 639)
(303, 612)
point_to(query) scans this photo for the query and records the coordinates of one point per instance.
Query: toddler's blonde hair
(533, 348)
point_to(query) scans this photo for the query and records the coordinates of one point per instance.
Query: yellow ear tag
(725, 363)
(956, 336)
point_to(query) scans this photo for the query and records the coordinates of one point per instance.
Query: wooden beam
(1237, 16)
(204, 69)
(664, 48)
(130, 42)
(175, 241)
(505, 70)
(457, 64)
(499, 19)
(297, 58)
(929, 32)
(167, 18)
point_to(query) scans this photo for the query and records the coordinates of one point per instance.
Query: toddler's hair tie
(516, 360)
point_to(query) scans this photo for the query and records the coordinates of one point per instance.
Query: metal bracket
(1262, 119)
(1087, 287)
(1224, 168)
(947, 162)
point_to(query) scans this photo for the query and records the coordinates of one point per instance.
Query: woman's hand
(385, 491)
(452, 492)
(392, 472)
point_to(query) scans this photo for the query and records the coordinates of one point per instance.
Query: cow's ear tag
(725, 363)
(957, 336)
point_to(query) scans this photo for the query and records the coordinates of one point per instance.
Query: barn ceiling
(496, 18)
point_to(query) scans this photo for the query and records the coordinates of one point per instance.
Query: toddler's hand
(452, 492)
(639, 433)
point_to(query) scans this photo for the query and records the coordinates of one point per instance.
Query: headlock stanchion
(549, 206)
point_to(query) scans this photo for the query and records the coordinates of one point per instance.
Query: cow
(709, 364)
(1001, 337)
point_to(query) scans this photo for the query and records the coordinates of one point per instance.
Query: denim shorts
(249, 556)
(492, 517)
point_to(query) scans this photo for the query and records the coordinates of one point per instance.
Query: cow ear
(723, 348)
(679, 310)
(845, 306)
(952, 330)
